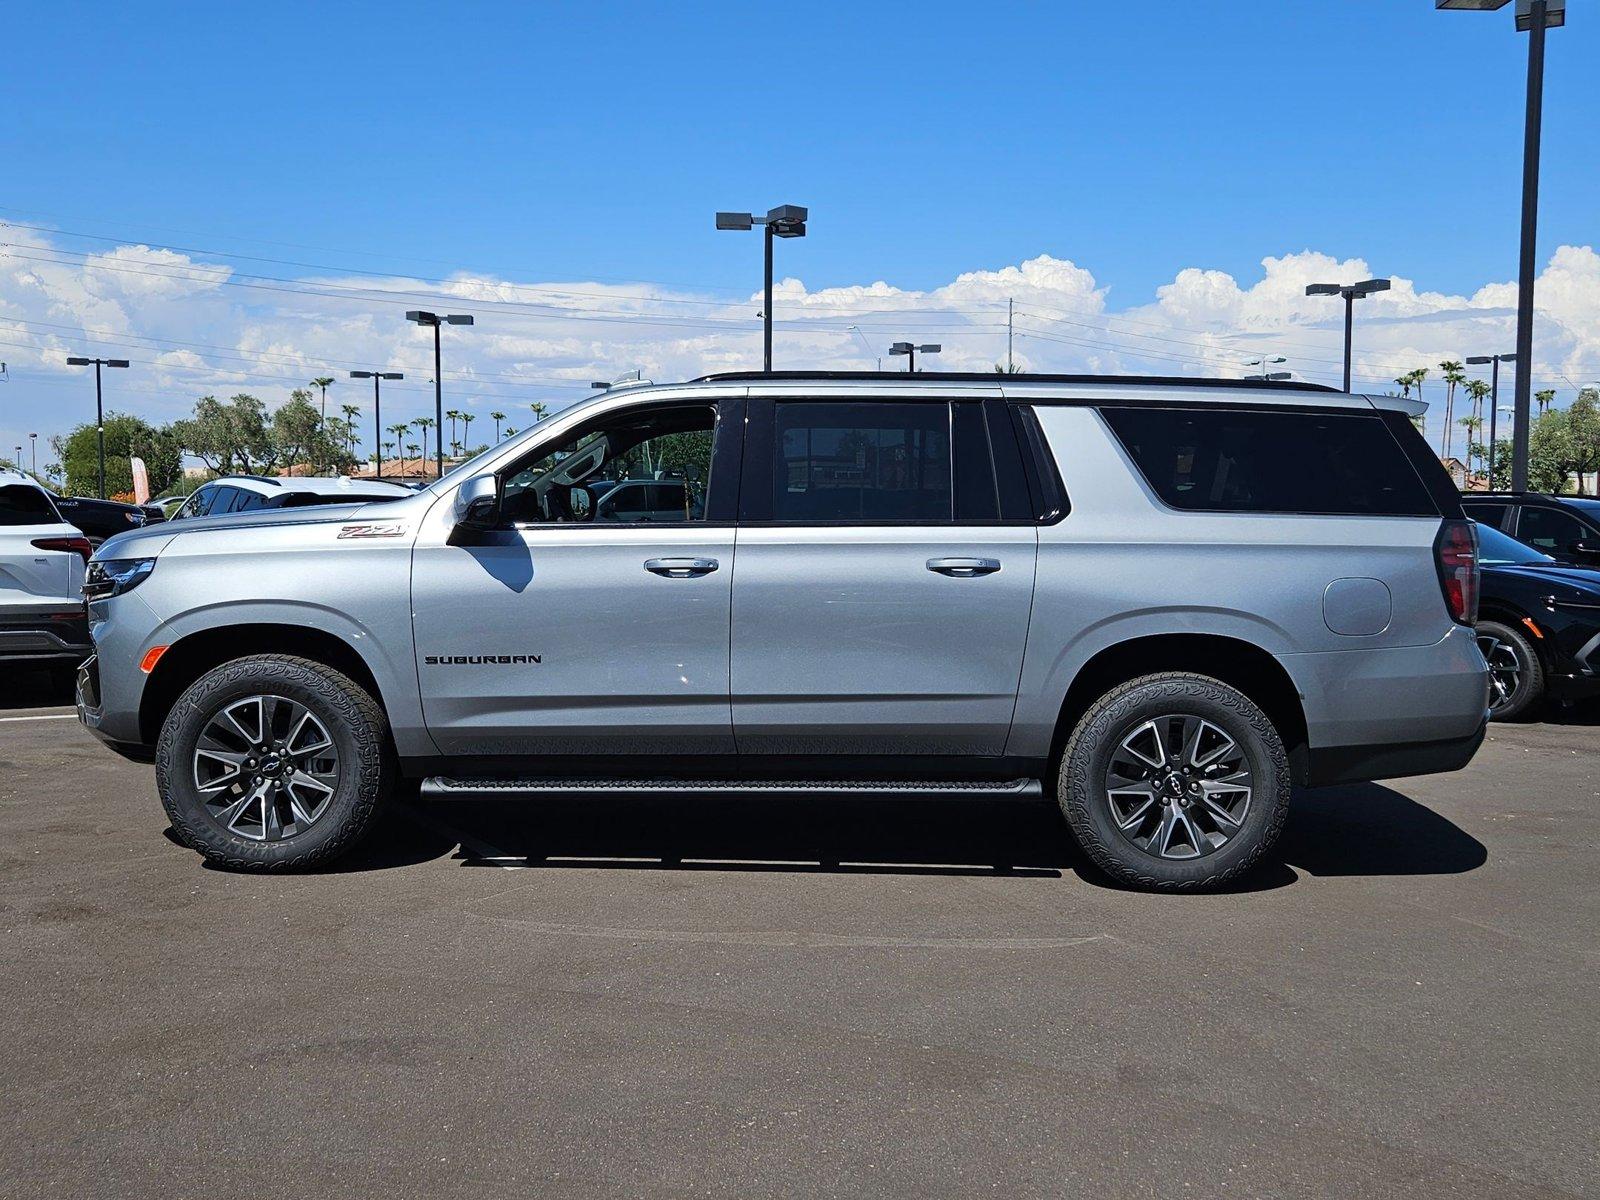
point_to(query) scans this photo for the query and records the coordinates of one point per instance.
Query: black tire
(1083, 786)
(1527, 691)
(355, 725)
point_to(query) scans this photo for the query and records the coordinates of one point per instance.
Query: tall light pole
(1266, 365)
(33, 442)
(910, 352)
(785, 221)
(1351, 293)
(1533, 18)
(1494, 398)
(377, 412)
(99, 408)
(437, 320)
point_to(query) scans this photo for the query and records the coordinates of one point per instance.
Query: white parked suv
(41, 577)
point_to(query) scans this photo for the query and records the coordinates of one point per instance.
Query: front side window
(1550, 530)
(650, 466)
(862, 462)
(1211, 459)
(196, 505)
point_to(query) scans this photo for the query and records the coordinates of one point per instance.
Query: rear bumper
(44, 633)
(1390, 760)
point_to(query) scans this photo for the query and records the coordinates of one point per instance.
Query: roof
(267, 485)
(998, 378)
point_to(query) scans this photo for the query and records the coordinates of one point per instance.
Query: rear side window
(23, 505)
(1488, 514)
(1244, 460)
(862, 462)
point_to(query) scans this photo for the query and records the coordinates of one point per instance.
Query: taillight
(1456, 551)
(78, 545)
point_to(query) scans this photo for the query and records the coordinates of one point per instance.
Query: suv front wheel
(1175, 782)
(273, 763)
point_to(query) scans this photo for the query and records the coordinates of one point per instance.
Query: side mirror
(477, 504)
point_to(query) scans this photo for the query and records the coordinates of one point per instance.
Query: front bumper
(90, 713)
(44, 633)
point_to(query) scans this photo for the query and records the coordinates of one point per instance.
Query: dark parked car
(1538, 626)
(1567, 528)
(100, 519)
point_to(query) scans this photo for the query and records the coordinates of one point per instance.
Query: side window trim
(1049, 495)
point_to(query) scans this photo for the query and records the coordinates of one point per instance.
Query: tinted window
(244, 501)
(1496, 549)
(198, 504)
(862, 462)
(24, 505)
(1487, 514)
(1238, 460)
(1551, 530)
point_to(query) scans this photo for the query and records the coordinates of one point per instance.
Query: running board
(439, 787)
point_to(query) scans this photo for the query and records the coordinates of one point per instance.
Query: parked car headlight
(112, 577)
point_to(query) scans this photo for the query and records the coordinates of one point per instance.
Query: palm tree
(1453, 374)
(1403, 382)
(454, 416)
(1479, 391)
(466, 422)
(498, 417)
(1545, 399)
(388, 449)
(400, 430)
(510, 432)
(1417, 377)
(350, 413)
(424, 424)
(322, 381)
(539, 410)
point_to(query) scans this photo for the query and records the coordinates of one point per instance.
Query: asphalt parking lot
(863, 998)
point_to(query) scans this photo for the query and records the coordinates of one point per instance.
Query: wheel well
(186, 660)
(1237, 663)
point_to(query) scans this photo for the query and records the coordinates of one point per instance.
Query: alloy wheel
(1178, 786)
(1505, 670)
(265, 767)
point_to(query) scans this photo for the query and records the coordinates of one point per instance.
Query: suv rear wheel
(1175, 782)
(273, 762)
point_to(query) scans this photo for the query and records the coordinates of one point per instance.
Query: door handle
(680, 568)
(964, 568)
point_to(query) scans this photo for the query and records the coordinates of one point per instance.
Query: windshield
(1497, 549)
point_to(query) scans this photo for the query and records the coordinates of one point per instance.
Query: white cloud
(190, 333)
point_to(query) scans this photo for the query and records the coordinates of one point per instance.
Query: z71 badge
(377, 529)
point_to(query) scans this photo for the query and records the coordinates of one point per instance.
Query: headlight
(112, 577)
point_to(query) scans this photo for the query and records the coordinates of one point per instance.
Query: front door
(581, 628)
(880, 606)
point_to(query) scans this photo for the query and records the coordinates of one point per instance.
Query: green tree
(498, 417)
(539, 409)
(1479, 391)
(228, 437)
(77, 454)
(1545, 398)
(297, 433)
(424, 424)
(1583, 425)
(1550, 452)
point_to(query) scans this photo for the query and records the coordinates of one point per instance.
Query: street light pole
(1351, 293)
(1494, 401)
(435, 320)
(377, 413)
(909, 351)
(1266, 365)
(99, 409)
(785, 221)
(1533, 17)
(33, 443)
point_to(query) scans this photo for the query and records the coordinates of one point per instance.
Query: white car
(246, 493)
(41, 578)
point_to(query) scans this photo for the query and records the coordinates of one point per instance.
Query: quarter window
(862, 462)
(1550, 529)
(1240, 460)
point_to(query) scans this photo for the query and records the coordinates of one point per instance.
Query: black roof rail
(1263, 385)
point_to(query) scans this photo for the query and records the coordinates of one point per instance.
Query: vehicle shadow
(36, 687)
(1365, 829)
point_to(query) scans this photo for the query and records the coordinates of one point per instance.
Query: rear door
(881, 600)
(1558, 533)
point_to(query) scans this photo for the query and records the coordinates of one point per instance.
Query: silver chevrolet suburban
(1166, 601)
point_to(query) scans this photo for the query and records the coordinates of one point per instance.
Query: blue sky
(1153, 183)
(594, 140)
